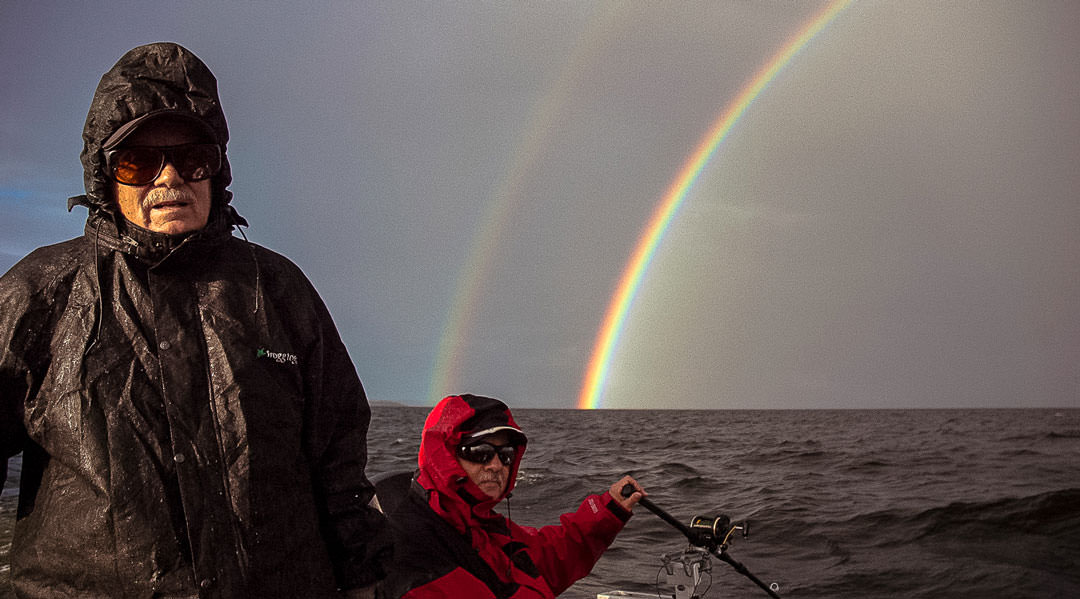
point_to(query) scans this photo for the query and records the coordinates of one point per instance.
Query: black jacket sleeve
(19, 327)
(338, 415)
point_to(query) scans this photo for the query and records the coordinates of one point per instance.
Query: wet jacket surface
(190, 421)
(449, 541)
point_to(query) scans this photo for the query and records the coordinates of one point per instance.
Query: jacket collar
(113, 233)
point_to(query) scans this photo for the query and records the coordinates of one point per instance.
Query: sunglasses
(481, 453)
(140, 165)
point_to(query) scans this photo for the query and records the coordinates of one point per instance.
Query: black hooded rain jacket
(190, 421)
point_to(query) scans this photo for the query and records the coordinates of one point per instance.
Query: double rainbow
(615, 317)
(482, 254)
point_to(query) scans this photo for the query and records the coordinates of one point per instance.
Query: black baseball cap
(129, 127)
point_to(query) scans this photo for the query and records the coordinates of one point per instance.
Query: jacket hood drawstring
(254, 257)
(99, 305)
(510, 562)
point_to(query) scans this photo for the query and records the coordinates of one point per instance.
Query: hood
(449, 422)
(156, 79)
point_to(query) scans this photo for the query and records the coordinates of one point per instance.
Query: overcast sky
(895, 221)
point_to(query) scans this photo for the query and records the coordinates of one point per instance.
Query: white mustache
(164, 195)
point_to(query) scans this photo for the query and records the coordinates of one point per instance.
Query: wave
(1029, 545)
(1037, 436)
(1054, 514)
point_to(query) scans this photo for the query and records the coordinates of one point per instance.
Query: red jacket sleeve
(458, 583)
(567, 552)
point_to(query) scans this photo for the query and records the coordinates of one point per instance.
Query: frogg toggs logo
(279, 357)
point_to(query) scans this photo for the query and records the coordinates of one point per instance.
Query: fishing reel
(687, 571)
(713, 532)
(710, 533)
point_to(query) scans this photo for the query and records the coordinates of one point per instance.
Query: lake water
(841, 503)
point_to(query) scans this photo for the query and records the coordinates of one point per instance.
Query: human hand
(627, 503)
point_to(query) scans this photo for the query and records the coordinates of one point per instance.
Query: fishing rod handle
(628, 490)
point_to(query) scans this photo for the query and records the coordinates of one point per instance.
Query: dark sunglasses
(481, 453)
(140, 165)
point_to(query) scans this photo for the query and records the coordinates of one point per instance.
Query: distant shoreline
(381, 403)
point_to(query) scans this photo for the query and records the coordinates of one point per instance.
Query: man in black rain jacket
(190, 422)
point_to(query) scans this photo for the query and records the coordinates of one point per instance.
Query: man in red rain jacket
(449, 542)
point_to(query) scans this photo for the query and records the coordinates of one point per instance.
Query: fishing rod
(707, 533)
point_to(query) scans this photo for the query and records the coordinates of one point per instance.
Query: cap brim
(129, 127)
(476, 435)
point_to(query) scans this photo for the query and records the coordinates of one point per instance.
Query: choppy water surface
(904, 503)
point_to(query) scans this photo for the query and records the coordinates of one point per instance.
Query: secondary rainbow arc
(483, 251)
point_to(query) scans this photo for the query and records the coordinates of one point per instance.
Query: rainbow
(630, 282)
(483, 252)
